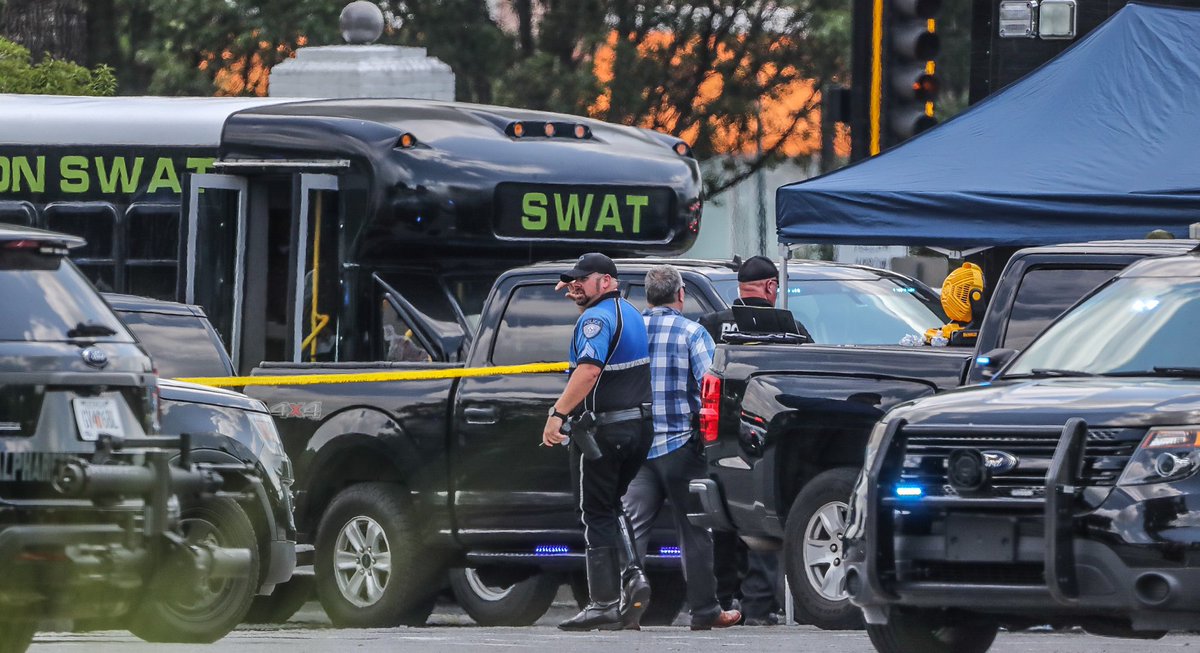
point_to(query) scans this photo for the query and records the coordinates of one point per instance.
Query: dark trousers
(760, 584)
(666, 478)
(600, 484)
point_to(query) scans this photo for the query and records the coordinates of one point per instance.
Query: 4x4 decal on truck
(289, 410)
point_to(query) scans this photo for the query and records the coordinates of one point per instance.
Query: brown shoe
(726, 619)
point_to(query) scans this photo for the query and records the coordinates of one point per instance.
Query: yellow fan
(962, 296)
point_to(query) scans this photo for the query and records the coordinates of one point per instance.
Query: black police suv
(1063, 492)
(230, 428)
(89, 496)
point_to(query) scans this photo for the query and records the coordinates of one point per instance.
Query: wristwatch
(555, 413)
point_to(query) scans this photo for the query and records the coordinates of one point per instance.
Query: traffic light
(909, 74)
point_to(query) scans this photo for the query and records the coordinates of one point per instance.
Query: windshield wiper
(90, 329)
(1048, 373)
(1164, 370)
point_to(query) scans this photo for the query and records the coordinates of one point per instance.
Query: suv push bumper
(1081, 577)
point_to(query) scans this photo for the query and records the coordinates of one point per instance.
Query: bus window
(536, 327)
(152, 246)
(97, 223)
(22, 213)
(400, 341)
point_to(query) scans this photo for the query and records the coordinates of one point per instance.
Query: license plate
(95, 417)
(971, 538)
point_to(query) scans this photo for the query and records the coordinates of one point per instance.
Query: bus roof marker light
(682, 149)
(909, 491)
(518, 129)
(581, 131)
(549, 130)
(407, 141)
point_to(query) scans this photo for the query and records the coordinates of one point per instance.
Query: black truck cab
(1062, 492)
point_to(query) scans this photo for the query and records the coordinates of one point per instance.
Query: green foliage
(51, 76)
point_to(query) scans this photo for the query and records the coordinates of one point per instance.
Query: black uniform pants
(666, 478)
(600, 484)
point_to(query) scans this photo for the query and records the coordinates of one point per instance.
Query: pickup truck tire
(927, 631)
(371, 568)
(812, 552)
(15, 636)
(222, 603)
(519, 604)
(668, 593)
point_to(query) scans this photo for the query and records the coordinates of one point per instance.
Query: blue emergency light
(551, 550)
(670, 551)
(909, 491)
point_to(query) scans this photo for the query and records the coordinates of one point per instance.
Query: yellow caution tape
(375, 377)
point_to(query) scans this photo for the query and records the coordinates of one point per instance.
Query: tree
(51, 76)
(54, 27)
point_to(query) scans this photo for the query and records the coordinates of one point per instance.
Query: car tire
(489, 604)
(283, 603)
(813, 552)
(927, 631)
(15, 636)
(386, 577)
(222, 603)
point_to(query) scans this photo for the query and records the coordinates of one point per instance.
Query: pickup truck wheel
(925, 631)
(371, 570)
(15, 636)
(209, 613)
(492, 604)
(813, 552)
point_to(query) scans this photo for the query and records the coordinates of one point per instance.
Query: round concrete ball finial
(361, 22)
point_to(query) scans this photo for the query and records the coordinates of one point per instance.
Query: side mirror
(993, 361)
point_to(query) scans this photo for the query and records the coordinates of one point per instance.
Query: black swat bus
(296, 223)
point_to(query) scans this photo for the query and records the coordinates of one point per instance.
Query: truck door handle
(485, 415)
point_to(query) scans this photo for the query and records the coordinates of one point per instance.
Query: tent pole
(785, 252)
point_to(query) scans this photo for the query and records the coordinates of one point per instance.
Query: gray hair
(662, 285)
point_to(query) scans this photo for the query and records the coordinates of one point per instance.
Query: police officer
(610, 376)
(758, 285)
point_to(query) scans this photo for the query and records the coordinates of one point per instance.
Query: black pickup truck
(89, 494)
(786, 425)
(425, 475)
(1063, 492)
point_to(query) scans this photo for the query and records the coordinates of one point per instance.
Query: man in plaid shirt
(681, 351)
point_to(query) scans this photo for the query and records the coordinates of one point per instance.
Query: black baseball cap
(590, 263)
(757, 268)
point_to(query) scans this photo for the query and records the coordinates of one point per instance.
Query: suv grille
(1106, 453)
(976, 573)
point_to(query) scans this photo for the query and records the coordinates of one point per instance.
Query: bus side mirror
(993, 361)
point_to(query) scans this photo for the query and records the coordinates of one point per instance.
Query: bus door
(315, 283)
(215, 252)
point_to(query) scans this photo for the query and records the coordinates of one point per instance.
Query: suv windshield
(877, 311)
(49, 300)
(1133, 325)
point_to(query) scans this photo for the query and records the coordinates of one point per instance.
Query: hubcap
(482, 589)
(362, 561)
(823, 551)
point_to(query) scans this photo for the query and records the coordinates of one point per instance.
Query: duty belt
(627, 415)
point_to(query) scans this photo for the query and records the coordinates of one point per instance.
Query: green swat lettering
(609, 215)
(119, 173)
(199, 164)
(73, 173)
(572, 212)
(5, 174)
(637, 202)
(164, 176)
(534, 207)
(22, 170)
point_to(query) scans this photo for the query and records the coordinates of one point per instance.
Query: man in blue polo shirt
(610, 377)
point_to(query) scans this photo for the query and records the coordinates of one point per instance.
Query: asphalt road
(450, 631)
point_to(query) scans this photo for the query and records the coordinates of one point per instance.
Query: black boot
(603, 612)
(635, 588)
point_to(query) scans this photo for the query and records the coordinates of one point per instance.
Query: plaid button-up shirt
(681, 351)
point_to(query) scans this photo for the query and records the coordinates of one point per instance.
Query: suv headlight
(1167, 453)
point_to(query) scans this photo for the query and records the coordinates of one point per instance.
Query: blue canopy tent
(1102, 142)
